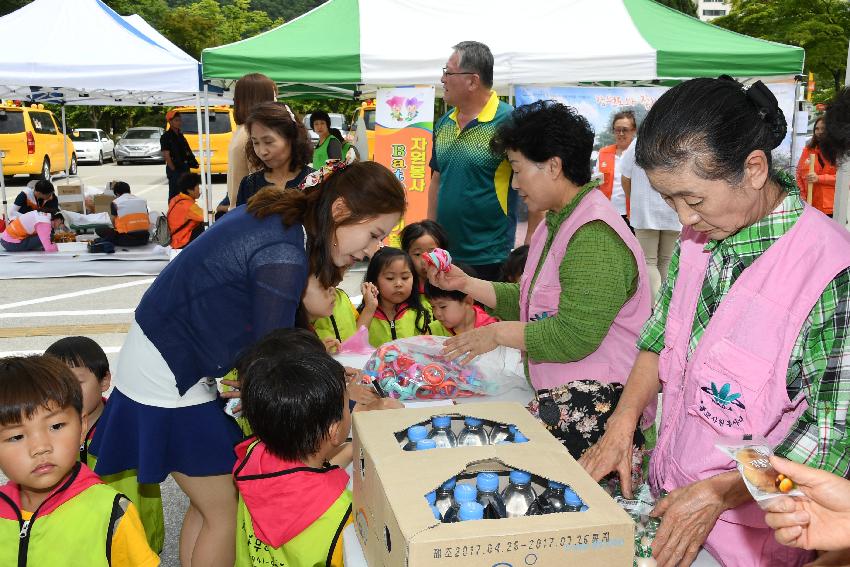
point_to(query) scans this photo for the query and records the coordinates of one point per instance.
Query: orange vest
(605, 165)
(183, 217)
(23, 226)
(132, 214)
(823, 192)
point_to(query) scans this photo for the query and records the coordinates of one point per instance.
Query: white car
(92, 145)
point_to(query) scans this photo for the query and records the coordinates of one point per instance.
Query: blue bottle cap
(520, 477)
(571, 498)
(436, 513)
(441, 421)
(556, 485)
(487, 482)
(583, 508)
(465, 493)
(416, 433)
(512, 429)
(431, 497)
(520, 438)
(471, 511)
(424, 444)
(472, 422)
(449, 484)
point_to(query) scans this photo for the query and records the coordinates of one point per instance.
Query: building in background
(707, 10)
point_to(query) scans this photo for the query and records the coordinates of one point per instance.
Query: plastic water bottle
(470, 511)
(520, 438)
(414, 434)
(473, 434)
(431, 497)
(572, 501)
(488, 495)
(444, 496)
(519, 496)
(463, 493)
(499, 433)
(512, 429)
(552, 499)
(441, 432)
(425, 444)
(436, 513)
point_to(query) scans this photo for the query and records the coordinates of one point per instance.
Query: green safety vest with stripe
(382, 331)
(343, 321)
(78, 532)
(146, 497)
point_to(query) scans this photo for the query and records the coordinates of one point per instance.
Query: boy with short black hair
(54, 510)
(293, 505)
(454, 311)
(90, 366)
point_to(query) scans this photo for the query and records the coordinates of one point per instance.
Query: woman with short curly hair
(584, 294)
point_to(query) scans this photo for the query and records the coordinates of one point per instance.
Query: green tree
(821, 27)
(688, 7)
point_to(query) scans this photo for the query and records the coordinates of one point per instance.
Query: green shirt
(473, 198)
(820, 358)
(598, 275)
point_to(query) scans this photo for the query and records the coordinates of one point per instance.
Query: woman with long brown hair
(240, 280)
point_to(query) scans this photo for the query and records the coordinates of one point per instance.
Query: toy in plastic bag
(753, 456)
(414, 369)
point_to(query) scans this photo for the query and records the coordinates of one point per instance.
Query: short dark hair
(251, 90)
(477, 58)
(275, 116)
(433, 292)
(547, 129)
(293, 341)
(835, 145)
(120, 188)
(414, 231)
(81, 352)
(28, 383)
(188, 181)
(291, 402)
(44, 187)
(514, 266)
(713, 124)
(624, 114)
(320, 115)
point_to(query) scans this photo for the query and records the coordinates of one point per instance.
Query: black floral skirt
(585, 406)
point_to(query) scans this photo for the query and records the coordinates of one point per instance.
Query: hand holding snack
(818, 520)
(763, 481)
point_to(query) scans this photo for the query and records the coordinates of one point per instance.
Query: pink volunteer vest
(614, 358)
(735, 381)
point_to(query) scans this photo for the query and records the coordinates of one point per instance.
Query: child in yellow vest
(54, 510)
(419, 238)
(90, 366)
(293, 504)
(392, 306)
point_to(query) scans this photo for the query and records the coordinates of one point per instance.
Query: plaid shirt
(820, 359)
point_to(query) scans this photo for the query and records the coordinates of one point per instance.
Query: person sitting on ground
(80, 520)
(291, 499)
(185, 217)
(30, 232)
(130, 220)
(40, 197)
(454, 311)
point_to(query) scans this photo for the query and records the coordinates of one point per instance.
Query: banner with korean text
(404, 125)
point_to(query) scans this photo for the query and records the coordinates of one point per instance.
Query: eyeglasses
(447, 73)
(622, 130)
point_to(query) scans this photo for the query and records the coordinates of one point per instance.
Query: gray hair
(476, 58)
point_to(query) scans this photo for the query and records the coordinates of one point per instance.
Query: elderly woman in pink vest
(751, 334)
(584, 294)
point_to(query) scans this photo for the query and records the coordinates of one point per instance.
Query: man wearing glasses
(470, 186)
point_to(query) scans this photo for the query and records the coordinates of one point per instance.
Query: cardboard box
(396, 526)
(73, 206)
(70, 189)
(101, 203)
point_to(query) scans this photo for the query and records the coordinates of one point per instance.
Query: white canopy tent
(94, 57)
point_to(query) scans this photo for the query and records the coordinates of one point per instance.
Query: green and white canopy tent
(345, 46)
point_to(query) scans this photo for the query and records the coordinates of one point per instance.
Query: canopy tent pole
(3, 186)
(201, 151)
(207, 172)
